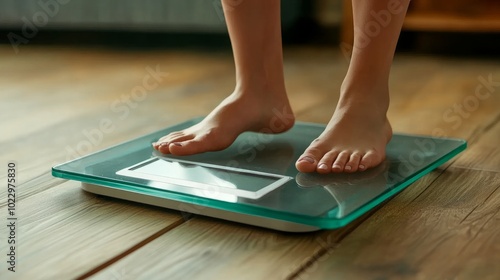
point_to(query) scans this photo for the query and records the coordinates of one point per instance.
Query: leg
(356, 136)
(259, 102)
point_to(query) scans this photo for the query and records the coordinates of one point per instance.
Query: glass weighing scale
(255, 181)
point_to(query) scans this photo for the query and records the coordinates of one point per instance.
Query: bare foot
(259, 112)
(354, 139)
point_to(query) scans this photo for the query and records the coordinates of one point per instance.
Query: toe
(193, 146)
(164, 146)
(308, 161)
(170, 136)
(155, 145)
(185, 148)
(353, 164)
(369, 160)
(325, 163)
(339, 163)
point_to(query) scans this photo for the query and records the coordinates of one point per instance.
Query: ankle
(372, 93)
(357, 102)
(260, 83)
(260, 91)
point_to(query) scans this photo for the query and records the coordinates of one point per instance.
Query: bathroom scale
(254, 181)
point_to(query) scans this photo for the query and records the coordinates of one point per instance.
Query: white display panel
(213, 178)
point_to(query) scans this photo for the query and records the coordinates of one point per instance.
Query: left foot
(258, 111)
(354, 139)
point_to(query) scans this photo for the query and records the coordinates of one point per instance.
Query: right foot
(265, 113)
(356, 136)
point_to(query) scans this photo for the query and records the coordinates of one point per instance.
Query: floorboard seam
(295, 275)
(477, 233)
(475, 169)
(489, 126)
(303, 267)
(132, 249)
(430, 184)
(478, 132)
(468, 214)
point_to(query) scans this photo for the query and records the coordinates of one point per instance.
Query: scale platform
(255, 181)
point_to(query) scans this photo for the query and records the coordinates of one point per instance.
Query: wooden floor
(444, 226)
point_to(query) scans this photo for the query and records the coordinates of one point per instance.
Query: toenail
(322, 166)
(164, 144)
(361, 166)
(347, 167)
(336, 167)
(308, 159)
(178, 144)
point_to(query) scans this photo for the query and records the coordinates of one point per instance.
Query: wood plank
(484, 154)
(432, 107)
(450, 231)
(71, 232)
(33, 186)
(204, 248)
(90, 81)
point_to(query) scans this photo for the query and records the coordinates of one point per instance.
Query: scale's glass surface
(254, 181)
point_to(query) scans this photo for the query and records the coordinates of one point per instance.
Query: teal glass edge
(320, 222)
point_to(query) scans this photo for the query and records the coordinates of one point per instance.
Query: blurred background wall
(303, 20)
(144, 15)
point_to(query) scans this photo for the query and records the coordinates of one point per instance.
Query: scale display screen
(208, 177)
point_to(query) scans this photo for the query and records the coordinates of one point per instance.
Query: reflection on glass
(350, 191)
